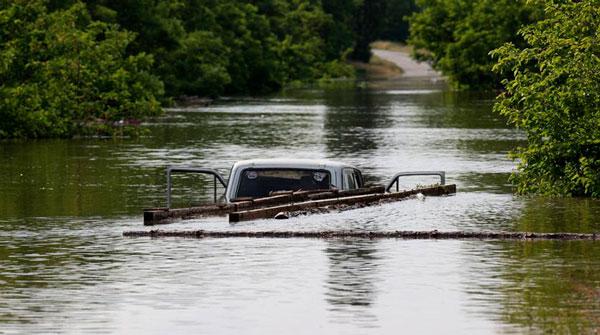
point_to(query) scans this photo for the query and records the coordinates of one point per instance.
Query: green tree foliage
(457, 35)
(553, 94)
(395, 20)
(355, 24)
(338, 31)
(214, 47)
(301, 47)
(110, 60)
(62, 73)
(199, 64)
(367, 25)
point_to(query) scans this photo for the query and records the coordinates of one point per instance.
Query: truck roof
(290, 163)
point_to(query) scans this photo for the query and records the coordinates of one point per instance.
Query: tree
(249, 37)
(337, 33)
(62, 73)
(553, 94)
(367, 27)
(457, 36)
(197, 67)
(215, 47)
(395, 25)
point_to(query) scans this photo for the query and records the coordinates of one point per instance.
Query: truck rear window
(258, 183)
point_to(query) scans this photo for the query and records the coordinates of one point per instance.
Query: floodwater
(65, 267)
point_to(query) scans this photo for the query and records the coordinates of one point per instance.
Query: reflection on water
(352, 123)
(556, 215)
(64, 267)
(351, 288)
(538, 284)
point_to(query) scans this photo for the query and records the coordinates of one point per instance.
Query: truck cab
(260, 178)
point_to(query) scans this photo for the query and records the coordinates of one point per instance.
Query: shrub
(553, 94)
(62, 73)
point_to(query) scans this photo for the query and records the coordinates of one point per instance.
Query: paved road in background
(411, 67)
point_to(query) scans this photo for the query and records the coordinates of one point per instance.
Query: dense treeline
(457, 36)
(546, 56)
(227, 46)
(61, 71)
(68, 65)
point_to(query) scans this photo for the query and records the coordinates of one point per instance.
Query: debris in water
(403, 234)
(282, 216)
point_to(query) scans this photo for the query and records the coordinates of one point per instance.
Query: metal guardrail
(214, 173)
(395, 180)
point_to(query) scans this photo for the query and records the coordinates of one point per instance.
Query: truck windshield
(258, 183)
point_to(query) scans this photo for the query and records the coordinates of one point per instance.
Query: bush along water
(69, 67)
(63, 73)
(553, 94)
(456, 36)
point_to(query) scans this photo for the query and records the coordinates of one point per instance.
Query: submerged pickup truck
(261, 187)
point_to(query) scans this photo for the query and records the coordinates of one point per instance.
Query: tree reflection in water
(351, 283)
(352, 120)
(545, 286)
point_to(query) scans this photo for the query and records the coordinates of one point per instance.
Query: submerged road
(411, 67)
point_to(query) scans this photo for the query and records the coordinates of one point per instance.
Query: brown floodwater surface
(66, 268)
